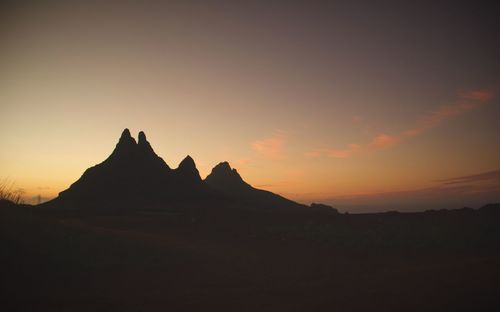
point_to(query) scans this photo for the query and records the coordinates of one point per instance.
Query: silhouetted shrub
(10, 193)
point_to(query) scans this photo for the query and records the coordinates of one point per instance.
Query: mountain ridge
(135, 177)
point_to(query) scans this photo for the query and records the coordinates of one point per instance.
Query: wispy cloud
(478, 95)
(480, 177)
(383, 140)
(344, 153)
(465, 102)
(485, 182)
(271, 147)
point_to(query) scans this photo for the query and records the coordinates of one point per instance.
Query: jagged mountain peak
(142, 137)
(138, 153)
(126, 138)
(187, 163)
(187, 170)
(223, 176)
(126, 134)
(223, 168)
(144, 147)
(126, 146)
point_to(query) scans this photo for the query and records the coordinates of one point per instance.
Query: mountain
(135, 177)
(229, 182)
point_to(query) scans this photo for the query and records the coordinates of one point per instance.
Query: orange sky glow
(303, 102)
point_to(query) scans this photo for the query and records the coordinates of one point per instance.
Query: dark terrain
(212, 259)
(134, 235)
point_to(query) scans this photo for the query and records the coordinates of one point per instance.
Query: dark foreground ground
(223, 259)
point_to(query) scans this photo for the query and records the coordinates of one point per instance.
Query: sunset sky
(368, 107)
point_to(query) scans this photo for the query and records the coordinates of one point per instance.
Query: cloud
(480, 177)
(478, 95)
(485, 182)
(465, 102)
(441, 191)
(382, 141)
(378, 142)
(271, 147)
(344, 153)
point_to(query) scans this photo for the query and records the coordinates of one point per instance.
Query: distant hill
(493, 208)
(135, 177)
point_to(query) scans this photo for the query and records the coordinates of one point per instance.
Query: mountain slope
(228, 181)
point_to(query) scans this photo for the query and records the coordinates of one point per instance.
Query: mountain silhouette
(135, 177)
(228, 181)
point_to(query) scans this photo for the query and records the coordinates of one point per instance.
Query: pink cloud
(435, 117)
(382, 141)
(271, 147)
(466, 101)
(344, 153)
(478, 95)
(485, 182)
(493, 175)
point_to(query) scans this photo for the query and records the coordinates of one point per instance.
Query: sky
(365, 106)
